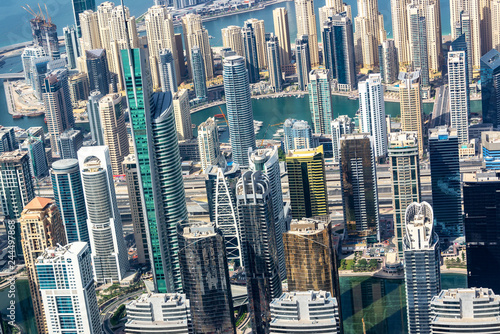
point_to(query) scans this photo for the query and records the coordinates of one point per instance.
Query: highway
(19, 75)
(440, 113)
(107, 312)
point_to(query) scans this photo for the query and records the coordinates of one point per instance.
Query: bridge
(19, 75)
(240, 296)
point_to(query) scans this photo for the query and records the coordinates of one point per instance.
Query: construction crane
(269, 126)
(222, 113)
(39, 15)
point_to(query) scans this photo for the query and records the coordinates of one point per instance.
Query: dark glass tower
(205, 277)
(490, 87)
(250, 47)
(97, 67)
(198, 70)
(303, 61)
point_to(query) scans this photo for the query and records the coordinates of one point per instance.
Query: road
(440, 113)
(107, 312)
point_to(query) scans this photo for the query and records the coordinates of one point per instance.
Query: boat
(36, 114)
(16, 116)
(193, 126)
(219, 115)
(352, 97)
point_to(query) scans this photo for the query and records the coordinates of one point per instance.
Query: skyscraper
(306, 25)
(320, 101)
(198, 73)
(458, 8)
(89, 31)
(358, 178)
(260, 40)
(482, 228)
(445, 177)
(68, 193)
(370, 32)
(162, 189)
(399, 16)
(490, 86)
(422, 261)
(298, 135)
(112, 110)
(78, 88)
(29, 54)
(372, 109)
(459, 95)
(95, 117)
(282, 32)
(307, 182)
(342, 125)
(72, 47)
(232, 38)
(417, 34)
(67, 289)
(490, 149)
(97, 69)
(38, 158)
(256, 221)
(239, 108)
(196, 35)
(303, 61)
(495, 30)
(432, 13)
(208, 143)
(7, 139)
(79, 6)
(167, 71)
(410, 99)
(44, 34)
(41, 227)
(183, 123)
(251, 52)
(273, 56)
(405, 178)
(388, 61)
(205, 278)
(69, 142)
(109, 253)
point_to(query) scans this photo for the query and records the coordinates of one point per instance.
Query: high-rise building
(490, 141)
(198, 73)
(78, 88)
(41, 227)
(38, 159)
(359, 187)
(112, 110)
(72, 47)
(273, 55)
(417, 34)
(267, 161)
(388, 61)
(68, 193)
(180, 55)
(183, 123)
(405, 178)
(282, 32)
(370, 32)
(399, 16)
(97, 69)
(58, 107)
(196, 35)
(465, 38)
(301, 311)
(251, 54)
(89, 31)
(303, 61)
(7, 139)
(338, 51)
(459, 8)
(104, 13)
(495, 30)
(422, 262)
(260, 40)
(208, 142)
(80, 6)
(482, 227)
(410, 99)
(256, 221)
(306, 25)
(137, 212)
(44, 34)
(205, 278)
(159, 312)
(372, 110)
(69, 142)
(67, 288)
(461, 310)
(162, 189)
(298, 135)
(445, 177)
(232, 38)
(109, 253)
(95, 117)
(490, 86)
(320, 101)
(432, 13)
(342, 125)
(239, 108)
(459, 95)
(167, 71)
(307, 182)
(29, 55)
(40, 67)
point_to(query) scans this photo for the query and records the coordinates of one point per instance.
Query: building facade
(209, 145)
(459, 95)
(490, 85)
(298, 135)
(342, 125)
(410, 99)
(320, 101)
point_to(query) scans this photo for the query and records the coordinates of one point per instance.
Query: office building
(482, 228)
(251, 53)
(208, 143)
(136, 210)
(69, 142)
(233, 39)
(369, 33)
(80, 6)
(342, 125)
(95, 117)
(307, 182)
(78, 88)
(41, 227)
(196, 35)
(109, 253)
(205, 278)
(490, 141)
(239, 108)
(338, 51)
(405, 178)
(474, 310)
(446, 188)
(410, 99)
(299, 312)
(422, 261)
(162, 190)
(306, 25)
(372, 110)
(72, 47)
(68, 193)
(256, 221)
(359, 187)
(67, 288)
(417, 34)
(266, 160)
(183, 123)
(89, 31)
(97, 69)
(167, 71)
(38, 159)
(159, 312)
(303, 61)
(388, 61)
(490, 86)
(298, 135)
(198, 74)
(282, 32)
(273, 55)
(459, 95)
(320, 101)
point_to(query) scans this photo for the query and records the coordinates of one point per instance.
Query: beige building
(260, 40)
(196, 35)
(41, 227)
(473, 9)
(208, 144)
(89, 27)
(112, 113)
(410, 99)
(306, 25)
(369, 32)
(495, 28)
(232, 38)
(432, 13)
(182, 114)
(282, 31)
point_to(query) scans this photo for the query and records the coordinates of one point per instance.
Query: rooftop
(307, 226)
(304, 153)
(38, 203)
(199, 230)
(13, 156)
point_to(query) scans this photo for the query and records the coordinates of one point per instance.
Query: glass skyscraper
(198, 70)
(98, 70)
(320, 101)
(303, 61)
(250, 48)
(490, 87)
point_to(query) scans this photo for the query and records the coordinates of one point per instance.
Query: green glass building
(160, 175)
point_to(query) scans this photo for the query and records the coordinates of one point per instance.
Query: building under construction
(44, 32)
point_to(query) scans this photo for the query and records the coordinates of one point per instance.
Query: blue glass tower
(198, 70)
(490, 87)
(250, 47)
